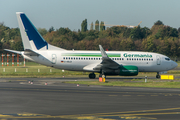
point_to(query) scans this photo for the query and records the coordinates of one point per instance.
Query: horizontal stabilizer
(30, 52)
(13, 51)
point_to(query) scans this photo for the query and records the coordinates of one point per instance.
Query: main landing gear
(102, 74)
(157, 76)
(92, 76)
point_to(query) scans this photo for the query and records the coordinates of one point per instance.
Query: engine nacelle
(128, 70)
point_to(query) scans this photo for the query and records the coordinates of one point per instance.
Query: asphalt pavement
(20, 99)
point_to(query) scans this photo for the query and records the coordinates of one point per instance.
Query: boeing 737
(123, 63)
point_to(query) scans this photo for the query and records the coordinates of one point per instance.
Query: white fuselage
(86, 60)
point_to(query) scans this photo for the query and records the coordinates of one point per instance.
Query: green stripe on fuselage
(90, 54)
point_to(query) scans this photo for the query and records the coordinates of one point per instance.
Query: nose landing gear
(157, 76)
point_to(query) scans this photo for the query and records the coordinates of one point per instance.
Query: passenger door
(54, 58)
(158, 58)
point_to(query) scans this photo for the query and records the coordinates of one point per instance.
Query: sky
(71, 13)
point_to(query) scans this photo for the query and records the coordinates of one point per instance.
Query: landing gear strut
(102, 75)
(92, 76)
(157, 76)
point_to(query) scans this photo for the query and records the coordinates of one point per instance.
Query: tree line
(159, 38)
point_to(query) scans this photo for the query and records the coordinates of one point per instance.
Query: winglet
(103, 53)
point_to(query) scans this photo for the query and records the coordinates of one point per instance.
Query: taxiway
(20, 100)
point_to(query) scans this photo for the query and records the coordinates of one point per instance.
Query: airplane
(123, 63)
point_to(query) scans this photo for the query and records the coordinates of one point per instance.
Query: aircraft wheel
(92, 76)
(158, 76)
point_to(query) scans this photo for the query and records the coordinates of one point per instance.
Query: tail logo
(32, 33)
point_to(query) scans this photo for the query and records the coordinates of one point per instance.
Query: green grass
(31, 70)
(45, 71)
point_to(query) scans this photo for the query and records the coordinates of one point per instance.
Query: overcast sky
(70, 13)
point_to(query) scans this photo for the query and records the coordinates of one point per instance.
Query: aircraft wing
(107, 63)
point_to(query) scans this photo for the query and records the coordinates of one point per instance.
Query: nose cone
(174, 64)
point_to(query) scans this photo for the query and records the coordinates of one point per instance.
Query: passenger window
(132, 58)
(63, 57)
(117, 58)
(127, 58)
(122, 58)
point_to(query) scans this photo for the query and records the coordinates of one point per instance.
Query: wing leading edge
(106, 64)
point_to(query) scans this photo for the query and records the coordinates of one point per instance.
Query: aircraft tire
(92, 76)
(157, 76)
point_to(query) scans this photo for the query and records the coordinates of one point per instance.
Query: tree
(91, 26)
(158, 23)
(179, 29)
(18, 46)
(42, 31)
(51, 29)
(84, 26)
(97, 25)
(136, 33)
(102, 27)
(63, 31)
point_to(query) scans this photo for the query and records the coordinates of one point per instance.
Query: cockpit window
(168, 59)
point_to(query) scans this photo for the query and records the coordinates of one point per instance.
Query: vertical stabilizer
(30, 36)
